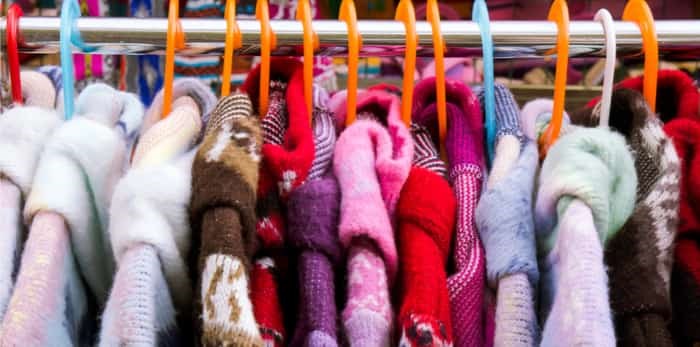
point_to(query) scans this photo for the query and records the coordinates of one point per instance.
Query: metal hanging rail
(678, 39)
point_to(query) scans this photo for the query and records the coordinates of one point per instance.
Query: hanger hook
(175, 40)
(480, 14)
(559, 13)
(433, 15)
(639, 12)
(69, 34)
(268, 42)
(349, 15)
(13, 41)
(310, 46)
(605, 18)
(406, 13)
(233, 42)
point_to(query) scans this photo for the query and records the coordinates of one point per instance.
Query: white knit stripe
(324, 141)
(226, 306)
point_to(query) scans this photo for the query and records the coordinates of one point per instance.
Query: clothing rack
(678, 39)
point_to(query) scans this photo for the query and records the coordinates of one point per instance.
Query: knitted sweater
(23, 133)
(465, 152)
(371, 162)
(71, 218)
(150, 235)
(222, 212)
(639, 256)
(578, 210)
(677, 102)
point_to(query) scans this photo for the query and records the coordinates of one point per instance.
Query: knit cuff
(507, 111)
(225, 175)
(289, 163)
(189, 86)
(504, 220)
(312, 214)
(428, 202)
(23, 133)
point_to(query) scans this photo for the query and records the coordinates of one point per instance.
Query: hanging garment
(465, 153)
(426, 215)
(506, 227)
(586, 193)
(69, 221)
(288, 154)
(150, 232)
(312, 214)
(639, 256)
(677, 102)
(222, 212)
(23, 133)
(372, 161)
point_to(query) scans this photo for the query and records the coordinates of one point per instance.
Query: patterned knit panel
(226, 308)
(467, 284)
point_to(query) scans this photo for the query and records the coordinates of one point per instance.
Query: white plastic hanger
(605, 18)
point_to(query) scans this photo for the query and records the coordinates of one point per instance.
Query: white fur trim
(150, 206)
(23, 132)
(75, 177)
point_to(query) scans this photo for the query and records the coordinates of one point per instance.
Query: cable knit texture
(71, 220)
(639, 257)
(586, 193)
(465, 152)
(222, 214)
(371, 163)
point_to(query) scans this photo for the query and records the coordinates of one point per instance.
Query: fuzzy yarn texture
(465, 154)
(372, 161)
(677, 106)
(426, 215)
(150, 234)
(639, 257)
(586, 193)
(506, 227)
(23, 132)
(288, 153)
(312, 214)
(70, 220)
(222, 214)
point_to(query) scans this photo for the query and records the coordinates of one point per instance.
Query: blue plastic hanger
(69, 34)
(480, 14)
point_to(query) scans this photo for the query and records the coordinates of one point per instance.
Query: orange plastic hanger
(406, 14)
(233, 42)
(175, 40)
(268, 42)
(310, 46)
(638, 11)
(433, 15)
(349, 15)
(558, 13)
